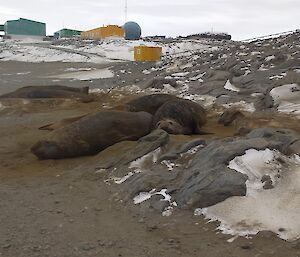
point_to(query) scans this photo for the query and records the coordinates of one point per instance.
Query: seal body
(180, 116)
(93, 133)
(148, 103)
(54, 91)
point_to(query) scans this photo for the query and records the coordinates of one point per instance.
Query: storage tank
(132, 30)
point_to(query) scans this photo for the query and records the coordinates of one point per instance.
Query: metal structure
(67, 33)
(24, 28)
(126, 9)
(270, 36)
(133, 30)
(104, 32)
(1, 27)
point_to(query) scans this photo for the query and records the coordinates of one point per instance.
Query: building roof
(23, 19)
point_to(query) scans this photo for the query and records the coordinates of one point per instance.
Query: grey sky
(240, 18)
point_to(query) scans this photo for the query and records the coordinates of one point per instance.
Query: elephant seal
(92, 134)
(148, 103)
(54, 91)
(62, 123)
(180, 116)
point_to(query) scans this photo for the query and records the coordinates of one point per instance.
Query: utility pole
(125, 11)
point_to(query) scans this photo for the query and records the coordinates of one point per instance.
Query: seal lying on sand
(93, 133)
(50, 92)
(148, 103)
(180, 116)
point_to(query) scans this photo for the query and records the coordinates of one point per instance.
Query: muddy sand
(65, 208)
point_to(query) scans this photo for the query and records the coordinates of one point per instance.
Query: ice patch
(87, 75)
(282, 75)
(180, 74)
(144, 196)
(287, 97)
(138, 166)
(276, 209)
(24, 73)
(270, 58)
(231, 87)
(242, 105)
(2, 107)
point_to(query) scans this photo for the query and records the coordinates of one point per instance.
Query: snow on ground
(274, 208)
(231, 87)
(31, 53)
(87, 75)
(109, 50)
(287, 98)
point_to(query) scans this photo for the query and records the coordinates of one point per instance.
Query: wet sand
(63, 208)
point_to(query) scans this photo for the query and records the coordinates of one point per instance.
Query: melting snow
(287, 97)
(87, 75)
(231, 87)
(276, 209)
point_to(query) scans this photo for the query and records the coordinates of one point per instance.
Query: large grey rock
(144, 146)
(209, 180)
(216, 75)
(213, 88)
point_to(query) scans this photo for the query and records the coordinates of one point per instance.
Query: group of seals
(92, 133)
(54, 91)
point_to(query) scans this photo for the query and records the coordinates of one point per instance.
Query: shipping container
(147, 53)
(104, 32)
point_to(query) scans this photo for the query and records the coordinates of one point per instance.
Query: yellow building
(104, 32)
(147, 53)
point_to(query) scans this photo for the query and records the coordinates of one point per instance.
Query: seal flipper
(62, 123)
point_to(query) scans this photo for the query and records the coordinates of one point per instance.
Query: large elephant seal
(93, 133)
(148, 103)
(54, 91)
(180, 116)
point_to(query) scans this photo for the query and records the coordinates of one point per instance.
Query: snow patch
(87, 75)
(287, 98)
(231, 87)
(276, 209)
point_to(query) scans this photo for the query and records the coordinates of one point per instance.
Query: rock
(230, 62)
(237, 71)
(293, 148)
(229, 116)
(268, 184)
(209, 180)
(147, 144)
(159, 83)
(157, 204)
(213, 88)
(218, 75)
(263, 102)
(292, 77)
(175, 152)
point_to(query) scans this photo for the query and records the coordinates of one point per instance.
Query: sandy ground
(64, 209)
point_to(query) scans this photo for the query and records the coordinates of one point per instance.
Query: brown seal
(180, 116)
(54, 91)
(148, 103)
(92, 134)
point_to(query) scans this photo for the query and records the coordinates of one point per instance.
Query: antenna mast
(125, 11)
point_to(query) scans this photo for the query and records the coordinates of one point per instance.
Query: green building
(23, 28)
(1, 27)
(67, 33)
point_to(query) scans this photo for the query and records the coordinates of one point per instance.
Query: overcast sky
(240, 18)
